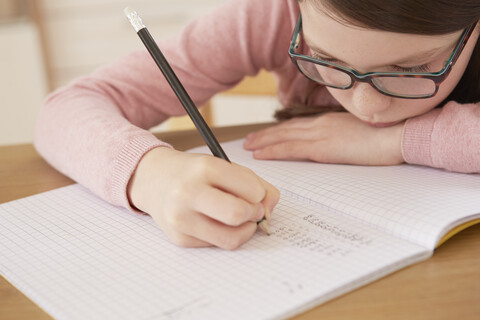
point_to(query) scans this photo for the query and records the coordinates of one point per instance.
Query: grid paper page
(78, 257)
(416, 203)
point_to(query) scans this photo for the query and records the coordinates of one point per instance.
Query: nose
(368, 101)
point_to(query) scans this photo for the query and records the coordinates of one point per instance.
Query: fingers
(186, 241)
(198, 230)
(200, 200)
(271, 199)
(219, 219)
(263, 139)
(234, 211)
(226, 208)
(232, 178)
(290, 150)
(300, 122)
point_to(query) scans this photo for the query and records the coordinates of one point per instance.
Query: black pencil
(180, 92)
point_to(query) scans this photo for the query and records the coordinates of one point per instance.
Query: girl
(406, 71)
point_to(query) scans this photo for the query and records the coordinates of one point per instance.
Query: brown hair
(428, 17)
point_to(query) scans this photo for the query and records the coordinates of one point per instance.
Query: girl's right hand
(199, 200)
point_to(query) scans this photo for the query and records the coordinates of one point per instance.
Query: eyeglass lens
(398, 86)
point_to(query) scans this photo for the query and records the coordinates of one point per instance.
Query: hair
(425, 17)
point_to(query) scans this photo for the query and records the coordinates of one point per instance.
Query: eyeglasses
(408, 85)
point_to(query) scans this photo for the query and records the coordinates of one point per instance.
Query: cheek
(344, 97)
(412, 108)
(451, 82)
(444, 90)
(456, 73)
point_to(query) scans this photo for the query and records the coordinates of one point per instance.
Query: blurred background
(46, 43)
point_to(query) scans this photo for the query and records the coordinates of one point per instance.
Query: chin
(382, 124)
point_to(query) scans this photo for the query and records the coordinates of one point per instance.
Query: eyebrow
(412, 59)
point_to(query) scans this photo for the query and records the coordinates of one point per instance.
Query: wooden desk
(446, 286)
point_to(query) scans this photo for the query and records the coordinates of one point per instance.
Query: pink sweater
(95, 129)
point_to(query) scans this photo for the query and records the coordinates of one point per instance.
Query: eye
(421, 68)
(317, 56)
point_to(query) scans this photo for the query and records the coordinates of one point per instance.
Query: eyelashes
(421, 68)
(414, 69)
(316, 56)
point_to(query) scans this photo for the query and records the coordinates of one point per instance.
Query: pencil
(181, 93)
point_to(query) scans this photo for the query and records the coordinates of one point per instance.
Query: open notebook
(336, 228)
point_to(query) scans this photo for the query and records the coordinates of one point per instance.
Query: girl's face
(373, 51)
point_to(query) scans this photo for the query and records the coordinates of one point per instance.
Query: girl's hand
(199, 200)
(337, 137)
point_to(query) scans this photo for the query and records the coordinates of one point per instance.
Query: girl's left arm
(447, 138)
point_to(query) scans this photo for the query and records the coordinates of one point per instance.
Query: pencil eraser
(128, 11)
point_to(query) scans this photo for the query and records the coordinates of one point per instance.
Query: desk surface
(445, 286)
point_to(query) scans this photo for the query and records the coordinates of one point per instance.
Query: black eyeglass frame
(436, 77)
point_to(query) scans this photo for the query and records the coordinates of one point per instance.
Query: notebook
(336, 228)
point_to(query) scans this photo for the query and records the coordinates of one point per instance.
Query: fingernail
(260, 212)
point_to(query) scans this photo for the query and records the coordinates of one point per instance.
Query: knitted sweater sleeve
(95, 130)
(447, 138)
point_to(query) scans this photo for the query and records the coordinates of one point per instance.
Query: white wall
(22, 81)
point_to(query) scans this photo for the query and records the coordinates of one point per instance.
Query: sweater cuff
(416, 139)
(125, 165)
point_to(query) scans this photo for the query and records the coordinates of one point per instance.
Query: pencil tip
(263, 225)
